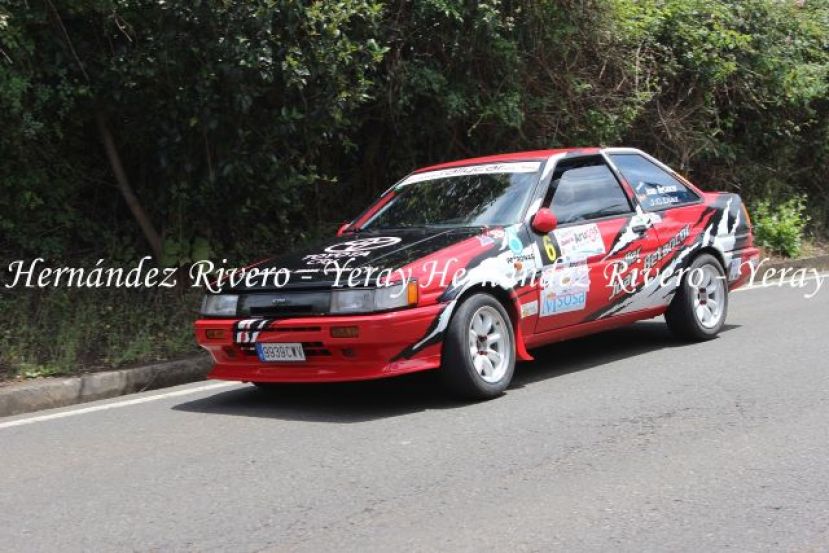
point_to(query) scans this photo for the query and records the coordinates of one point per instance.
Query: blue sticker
(514, 242)
(554, 304)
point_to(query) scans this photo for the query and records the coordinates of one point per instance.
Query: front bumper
(373, 353)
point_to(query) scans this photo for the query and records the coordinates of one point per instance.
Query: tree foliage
(245, 126)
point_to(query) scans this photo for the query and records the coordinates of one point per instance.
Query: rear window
(655, 188)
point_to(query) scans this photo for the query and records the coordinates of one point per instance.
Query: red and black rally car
(466, 266)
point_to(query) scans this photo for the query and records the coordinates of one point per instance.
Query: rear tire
(479, 349)
(700, 306)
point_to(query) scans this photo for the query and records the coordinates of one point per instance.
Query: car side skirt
(590, 327)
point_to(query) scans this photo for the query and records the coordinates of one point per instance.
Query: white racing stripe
(117, 404)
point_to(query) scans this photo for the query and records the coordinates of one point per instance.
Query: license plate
(280, 352)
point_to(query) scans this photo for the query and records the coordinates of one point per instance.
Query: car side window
(655, 187)
(586, 189)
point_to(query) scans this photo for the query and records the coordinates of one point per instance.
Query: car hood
(318, 266)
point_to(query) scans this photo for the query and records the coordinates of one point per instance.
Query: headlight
(364, 300)
(395, 296)
(352, 301)
(219, 305)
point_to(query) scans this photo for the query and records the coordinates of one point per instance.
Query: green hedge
(63, 331)
(243, 124)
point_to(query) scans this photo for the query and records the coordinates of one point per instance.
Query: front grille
(278, 328)
(275, 305)
(313, 349)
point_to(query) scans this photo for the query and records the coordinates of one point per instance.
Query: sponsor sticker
(626, 282)
(580, 242)
(564, 289)
(514, 243)
(633, 256)
(521, 257)
(658, 189)
(363, 244)
(661, 252)
(361, 247)
(529, 309)
(663, 200)
(484, 169)
(734, 268)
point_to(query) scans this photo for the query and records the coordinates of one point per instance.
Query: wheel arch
(509, 301)
(714, 252)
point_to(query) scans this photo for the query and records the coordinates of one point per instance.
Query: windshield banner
(487, 169)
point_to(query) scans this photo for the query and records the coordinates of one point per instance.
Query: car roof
(531, 155)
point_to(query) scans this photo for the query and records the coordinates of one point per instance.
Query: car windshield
(481, 197)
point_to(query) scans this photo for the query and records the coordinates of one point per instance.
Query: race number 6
(550, 249)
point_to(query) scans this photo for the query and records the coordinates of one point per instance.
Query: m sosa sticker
(564, 289)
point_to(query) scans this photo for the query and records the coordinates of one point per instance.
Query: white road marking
(117, 404)
(775, 283)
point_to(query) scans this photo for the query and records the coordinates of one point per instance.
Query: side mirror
(344, 227)
(544, 221)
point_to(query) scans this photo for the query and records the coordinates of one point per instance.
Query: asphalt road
(626, 441)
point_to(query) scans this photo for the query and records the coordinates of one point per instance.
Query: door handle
(639, 228)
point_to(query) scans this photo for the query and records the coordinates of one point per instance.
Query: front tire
(699, 308)
(479, 349)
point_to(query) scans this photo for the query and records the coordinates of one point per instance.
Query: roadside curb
(60, 392)
(818, 262)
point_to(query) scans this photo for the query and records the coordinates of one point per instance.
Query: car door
(591, 258)
(675, 210)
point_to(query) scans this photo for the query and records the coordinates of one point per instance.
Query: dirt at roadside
(811, 248)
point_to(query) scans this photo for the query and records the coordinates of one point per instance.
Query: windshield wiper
(407, 227)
